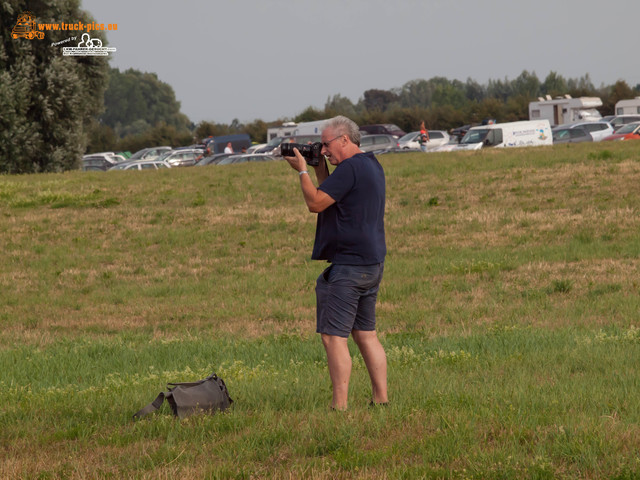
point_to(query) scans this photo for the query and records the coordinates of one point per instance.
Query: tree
(474, 91)
(381, 100)
(309, 114)
(101, 138)
(621, 91)
(526, 85)
(581, 87)
(136, 100)
(415, 93)
(516, 108)
(204, 130)
(448, 93)
(499, 89)
(48, 101)
(339, 105)
(554, 85)
(257, 130)
(489, 108)
(160, 134)
(446, 117)
(408, 119)
(611, 95)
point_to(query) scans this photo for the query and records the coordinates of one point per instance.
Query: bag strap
(213, 376)
(187, 384)
(152, 407)
(157, 403)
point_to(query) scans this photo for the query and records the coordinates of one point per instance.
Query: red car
(630, 131)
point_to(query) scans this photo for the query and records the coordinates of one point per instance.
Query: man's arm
(322, 171)
(316, 200)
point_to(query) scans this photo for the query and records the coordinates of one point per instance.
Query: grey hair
(344, 126)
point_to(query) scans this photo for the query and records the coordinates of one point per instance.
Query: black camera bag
(208, 395)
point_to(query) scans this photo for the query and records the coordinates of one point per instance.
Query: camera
(311, 153)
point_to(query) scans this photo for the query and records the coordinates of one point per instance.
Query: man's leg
(339, 361)
(376, 361)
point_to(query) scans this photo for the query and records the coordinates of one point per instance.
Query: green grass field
(509, 312)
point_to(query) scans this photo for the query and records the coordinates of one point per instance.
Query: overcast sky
(270, 59)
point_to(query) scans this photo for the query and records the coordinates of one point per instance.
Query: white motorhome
(309, 128)
(284, 130)
(562, 110)
(628, 107)
(512, 134)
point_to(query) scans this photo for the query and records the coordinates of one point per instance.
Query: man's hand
(315, 199)
(298, 163)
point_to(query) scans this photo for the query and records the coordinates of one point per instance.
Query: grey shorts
(346, 298)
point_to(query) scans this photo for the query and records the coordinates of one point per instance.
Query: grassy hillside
(509, 312)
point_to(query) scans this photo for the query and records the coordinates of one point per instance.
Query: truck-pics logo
(91, 47)
(26, 27)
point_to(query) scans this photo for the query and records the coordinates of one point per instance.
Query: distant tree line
(439, 102)
(54, 108)
(445, 104)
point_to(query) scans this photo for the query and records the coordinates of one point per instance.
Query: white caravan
(512, 134)
(628, 107)
(309, 128)
(284, 130)
(563, 110)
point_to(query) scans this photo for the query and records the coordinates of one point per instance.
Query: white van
(530, 133)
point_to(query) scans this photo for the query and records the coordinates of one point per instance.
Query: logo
(542, 136)
(26, 27)
(91, 47)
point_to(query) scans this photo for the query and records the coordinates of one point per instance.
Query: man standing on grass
(350, 204)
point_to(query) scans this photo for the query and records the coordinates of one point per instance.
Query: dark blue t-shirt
(351, 231)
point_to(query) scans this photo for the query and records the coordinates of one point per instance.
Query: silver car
(182, 157)
(570, 135)
(617, 121)
(378, 143)
(411, 141)
(598, 130)
(149, 153)
(142, 165)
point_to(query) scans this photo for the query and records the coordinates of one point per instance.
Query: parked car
(630, 131)
(598, 130)
(98, 161)
(378, 143)
(271, 145)
(618, 121)
(183, 157)
(570, 135)
(411, 141)
(253, 148)
(142, 165)
(251, 157)
(383, 128)
(213, 159)
(150, 153)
